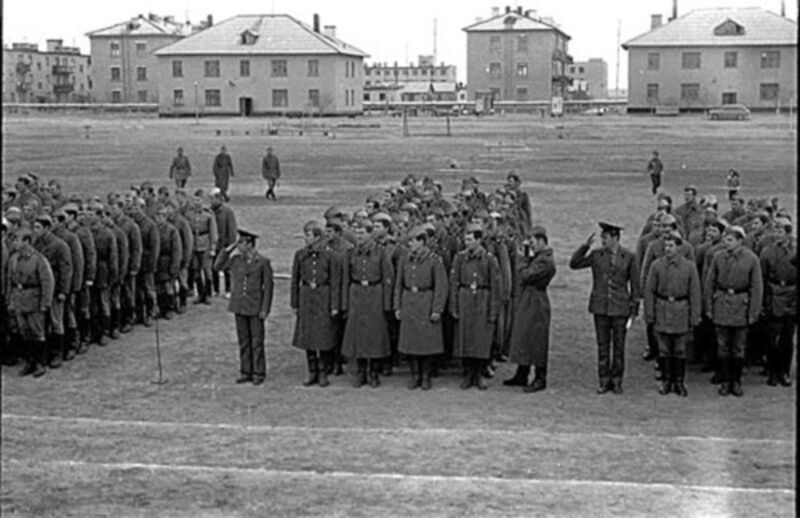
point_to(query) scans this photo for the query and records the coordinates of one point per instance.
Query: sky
(388, 31)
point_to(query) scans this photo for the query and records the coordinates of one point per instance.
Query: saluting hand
(591, 239)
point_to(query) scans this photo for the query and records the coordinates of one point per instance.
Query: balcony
(63, 88)
(62, 70)
(562, 56)
(23, 68)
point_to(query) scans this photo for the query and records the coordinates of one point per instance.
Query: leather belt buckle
(671, 299)
(313, 285)
(414, 289)
(365, 283)
(731, 291)
(473, 286)
(783, 284)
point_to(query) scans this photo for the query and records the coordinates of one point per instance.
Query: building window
(313, 98)
(729, 98)
(40, 85)
(116, 95)
(313, 68)
(414, 72)
(141, 96)
(244, 68)
(381, 96)
(495, 70)
(494, 44)
(177, 69)
(280, 98)
(211, 68)
(80, 69)
(39, 65)
(424, 71)
(405, 72)
(522, 94)
(177, 97)
(690, 60)
(768, 91)
(213, 98)
(771, 59)
(116, 74)
(114, 49)
(141, 73)
(581, 70)
(141, 49)
(652, 93)
(522, 69)
(279, 69)
(690, 92)
(89, 83)
(522, 43)
(731, 59)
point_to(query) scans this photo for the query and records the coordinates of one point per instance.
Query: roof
(513, 21)
(145, 26)
(697, 28)
(274, 34)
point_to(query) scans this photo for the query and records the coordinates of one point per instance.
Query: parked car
(600, 110)
(737, 112)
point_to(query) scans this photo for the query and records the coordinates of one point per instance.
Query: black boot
(70, 345)
(322, 369)
(360, 377)
(666, 376)
(520, 378)
(469, 373)
(415, 380)
(39, 358)
(98, 330)
(724, 376)
(679, 371)
(661, 374)
(480, 368)
(113, 333)
(539, 380)
(374, 371)
(313, 369)
(425, 372)
(56, 351)
(736, 377)
(207, 295)
(28, 357)
(181, 309)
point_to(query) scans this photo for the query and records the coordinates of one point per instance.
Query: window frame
(276, 96)
(211, 68)
(279, 68)
(214, 95)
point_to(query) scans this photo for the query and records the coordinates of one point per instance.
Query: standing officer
(530, 334)
(690, 214)
(475, 303)
(614, 299)
(420, 294)
(251, 301)
(271, 171)
(779, 268)
(315, 299)
(205, 238)
(180, 170)
(223, 171)
(672, 305)
(170, 254)
(733, 291)
(226, 229)
(654, 169)
(31, 293)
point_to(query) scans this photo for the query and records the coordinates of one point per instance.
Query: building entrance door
(246, 106)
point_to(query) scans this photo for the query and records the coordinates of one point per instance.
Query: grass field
(97, 438)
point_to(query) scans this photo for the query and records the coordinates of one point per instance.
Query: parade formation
(416, 277)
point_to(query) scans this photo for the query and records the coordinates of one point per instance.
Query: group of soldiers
(80, 271)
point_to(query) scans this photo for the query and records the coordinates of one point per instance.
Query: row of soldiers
(727, 292)
(81, 271)
(416, 275)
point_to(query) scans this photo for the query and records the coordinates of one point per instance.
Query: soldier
(271, 171)
(128, 278)
(170, 254)
(530, 336)
(339, 247)
(8, 346)
(107, 273)
(59, 258)
(779, 268)
(205, 238)
(25, 194)
(475, 302)
(223, 171)
(60, 230)
(315, 300)
(184, 229)
(522, 202)
(733, 292)
(180, 170)
(654, 169)
(704, 340)
(673, 306)
(382, 223)
(123, 257)
(733, 182)
(367, 282)
(251, 302)
(31, 293)
(145, 281)
(78, 224)
(614, 300)
(226, 229)
(690, 213)
(737, 210)
(420, 293)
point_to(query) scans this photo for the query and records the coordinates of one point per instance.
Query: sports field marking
(402, 476)
(422, 431)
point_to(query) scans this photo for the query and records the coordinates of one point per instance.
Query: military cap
(407, 206)
(711, 199)
(24, 179)
(417, 231)
(666, 219)
(495, 215)
(216, 191)
(450, 209)
(612, 227)
(33, 176)
(70, 207)
(474, 180)
(247, 234)
(147, 184)
(361, 213)
(59, 213)
(45, 220)
(14, 216)
(312, 225)
(332, 212)
(784, 223)
(335, 223)
(401, 216)
(720, 224)
(690, 187)
(481, 213)
(381, 216)
(363, 223)
(735, 230)
(538, 231)
(763, 216)
(674, 236)
(783, 213)
(473, 227)
(429, 228)
(512, 175)
(10, 189)
(95, 206)
(5, 223)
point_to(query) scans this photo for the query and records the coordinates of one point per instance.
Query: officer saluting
(615, 298)
(251, 301)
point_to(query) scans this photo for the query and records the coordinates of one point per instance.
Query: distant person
(655, 168)
(733, 181)
(180, 170)
(271, 171)
(223, 170)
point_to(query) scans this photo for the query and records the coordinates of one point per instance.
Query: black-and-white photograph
(391, 259)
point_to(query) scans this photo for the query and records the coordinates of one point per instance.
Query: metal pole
(160, 380)
(196, 104)
(448, 123)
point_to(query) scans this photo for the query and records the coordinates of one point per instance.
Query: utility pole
(434, 42)
(619, 45)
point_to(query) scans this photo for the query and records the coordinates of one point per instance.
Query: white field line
(389, 431)
(282, 473)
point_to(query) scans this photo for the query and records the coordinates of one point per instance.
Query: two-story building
(425, 70)
(58, 74)
(588, 79)
(516, 56)
(711, 57)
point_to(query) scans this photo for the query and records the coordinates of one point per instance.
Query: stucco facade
(56, 75)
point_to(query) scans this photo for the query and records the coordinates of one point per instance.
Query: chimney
(495, 11)
(209, 20)
(674, 10)
(519, 10)
(330, 31)
(169, 19)
(783, 8)
(655, 21)
(508, 9)
(316, 23)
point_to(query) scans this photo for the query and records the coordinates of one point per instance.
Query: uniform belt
(203, 233)
(474, 287)
(365, 283)
(783, 284)
(731, 291)
(417, 289)
(672, 299)
(314, 285)
(27, 286)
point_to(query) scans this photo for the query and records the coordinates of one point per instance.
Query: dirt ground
(97, 438)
